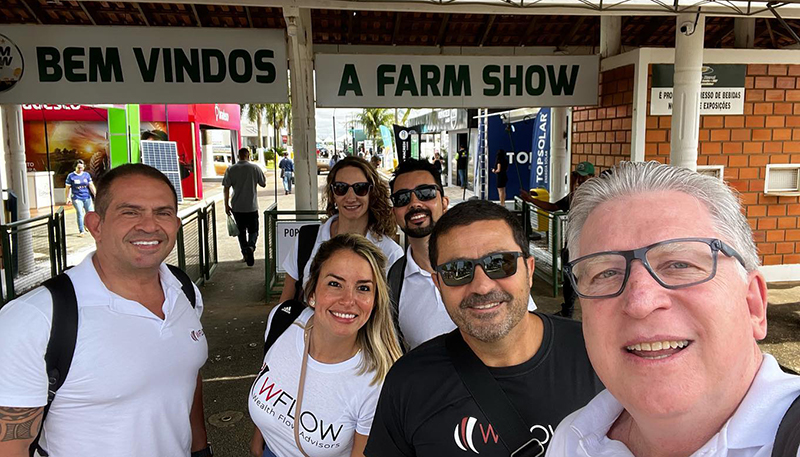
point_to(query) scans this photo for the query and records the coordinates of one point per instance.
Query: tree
(255, 114)
(372, 119)
(278, 114)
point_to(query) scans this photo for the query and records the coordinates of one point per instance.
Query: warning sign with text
(722, 90)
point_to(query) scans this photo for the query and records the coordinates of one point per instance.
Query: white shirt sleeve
(366, 412)
(290, 262)
(24, 334)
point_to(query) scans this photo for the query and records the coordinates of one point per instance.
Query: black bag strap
(187, 286)
(490, 398)
(61, 346)
(787, 440)
(307, 237)
(286, 314)
(395, 280)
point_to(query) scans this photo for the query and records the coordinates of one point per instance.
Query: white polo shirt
(750, 432)
(131, 384)
(421, 312)
(390, 249)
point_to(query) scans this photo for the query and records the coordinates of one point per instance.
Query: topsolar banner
(382, 81)
(81, 64)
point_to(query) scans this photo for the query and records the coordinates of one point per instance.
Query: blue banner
(540, 160)
(386, 136)
(515, 140)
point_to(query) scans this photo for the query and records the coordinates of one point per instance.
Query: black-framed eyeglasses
(497, 265)
(424, 193)
(360, 188)
(674, 264)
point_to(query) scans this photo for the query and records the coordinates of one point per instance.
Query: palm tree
(255, 114)
(372, 119)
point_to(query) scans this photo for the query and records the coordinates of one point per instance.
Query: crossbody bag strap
(301, 385)
(492, 401)
(787, 439)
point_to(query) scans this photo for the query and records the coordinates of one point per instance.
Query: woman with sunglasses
(318, 387)
(357, 201)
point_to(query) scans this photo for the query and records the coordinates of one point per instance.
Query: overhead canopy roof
(430, 23)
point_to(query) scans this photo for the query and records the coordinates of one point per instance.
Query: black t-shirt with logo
(426, 411)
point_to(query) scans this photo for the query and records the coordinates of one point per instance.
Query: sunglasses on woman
(360, 188)
(460, 272)
(424, 193)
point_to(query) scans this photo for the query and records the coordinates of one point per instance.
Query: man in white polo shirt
(133, 387)
(419, 202)
(673, 307)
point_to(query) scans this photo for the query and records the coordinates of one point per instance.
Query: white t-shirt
(131, 384)
(750, 432)
(421, 312)
(392, 250)
(337, 401)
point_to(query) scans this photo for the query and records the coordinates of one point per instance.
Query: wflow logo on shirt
(197, 334)
(466, 439)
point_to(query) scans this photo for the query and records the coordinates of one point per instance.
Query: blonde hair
(377, 337)
(381, 220)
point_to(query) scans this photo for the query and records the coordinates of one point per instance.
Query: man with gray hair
(673, 306)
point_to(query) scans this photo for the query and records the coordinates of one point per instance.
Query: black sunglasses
(498, 265)
(360, 188)
(424, 193)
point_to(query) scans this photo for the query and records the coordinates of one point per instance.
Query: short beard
(419, 232)
(489, 332)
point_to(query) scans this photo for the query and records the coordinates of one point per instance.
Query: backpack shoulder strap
(395, 280)
(61, 345)
(787, 440)
(186, 284)
(286, 314)
(306, 240)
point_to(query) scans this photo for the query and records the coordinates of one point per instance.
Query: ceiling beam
(141, 13)
(396, 27)
(488, 29)
(649, 30)
(528, 31)
(568, 37)
(442, 29)
(771, 35)
(30, 11)
(544, 7)
(86, 12)
(350, 15)
(196, 16)
(249, 17)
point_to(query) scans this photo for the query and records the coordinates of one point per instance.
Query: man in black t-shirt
(539, 362)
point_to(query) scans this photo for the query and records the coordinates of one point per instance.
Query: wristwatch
(205, 452)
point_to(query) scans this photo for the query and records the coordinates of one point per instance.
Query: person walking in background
(437, 163)
(461, 166)
(287, 171)
(244, 176)
(79, 185)
(501, 170)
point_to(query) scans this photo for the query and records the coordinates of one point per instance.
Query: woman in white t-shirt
(357, 201)
(326, 370)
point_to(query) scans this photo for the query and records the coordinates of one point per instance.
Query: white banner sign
(713, 100)
(75, 64)
(287, 232)
(455, 81)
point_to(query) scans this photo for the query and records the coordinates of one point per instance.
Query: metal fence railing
(34, 250)
(272, 218)
(545, 233)
(195, 250)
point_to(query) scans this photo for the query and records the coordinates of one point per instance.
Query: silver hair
(631, 178)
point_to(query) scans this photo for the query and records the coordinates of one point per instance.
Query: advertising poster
(540, 162)
(721, 93)
(515, 140)
(68, 141)
(403, 142)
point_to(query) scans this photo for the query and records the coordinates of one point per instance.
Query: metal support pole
(301, 73)
(689, 35)
(610, 36)
(744, 32)
(559, 126)
(18, 181)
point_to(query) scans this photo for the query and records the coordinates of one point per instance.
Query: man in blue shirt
(287, 170)
(79, 184)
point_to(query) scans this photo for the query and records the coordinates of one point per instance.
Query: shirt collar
(411, 266)
(91, 291)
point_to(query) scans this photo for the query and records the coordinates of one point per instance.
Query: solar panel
(163, 155)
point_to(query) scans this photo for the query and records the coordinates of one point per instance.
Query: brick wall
(602, 134)
(767, 133)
